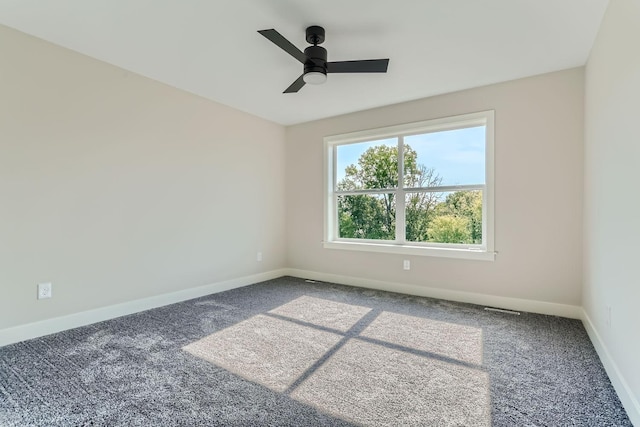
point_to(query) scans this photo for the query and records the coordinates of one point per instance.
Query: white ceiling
(212, 48)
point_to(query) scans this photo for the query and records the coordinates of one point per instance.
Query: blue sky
(456, 155)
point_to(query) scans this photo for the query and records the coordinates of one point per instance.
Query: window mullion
(399, 195)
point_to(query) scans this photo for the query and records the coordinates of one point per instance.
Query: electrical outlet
(45, 290)
(406, 264)
(259, 256)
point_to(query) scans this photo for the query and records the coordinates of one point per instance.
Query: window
(418, 189)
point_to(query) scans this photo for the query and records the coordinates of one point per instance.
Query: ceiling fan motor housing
(316, 60)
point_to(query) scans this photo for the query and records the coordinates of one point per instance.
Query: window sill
(470, 254)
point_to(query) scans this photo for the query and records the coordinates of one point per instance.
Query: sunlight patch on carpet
(451, 340)
(268, 351)
(374, 385)
(322, 312)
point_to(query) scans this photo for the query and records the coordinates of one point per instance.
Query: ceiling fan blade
(284, 44)
(295, 86)
(364, 66)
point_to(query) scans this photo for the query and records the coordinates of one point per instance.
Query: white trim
(488, 195)
(629, 401)
(485, 251)
(406, 129)
(517, 304)
(75, 320)
(391, 248)
(330, 160)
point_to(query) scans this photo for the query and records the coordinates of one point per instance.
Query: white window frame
(484, 251)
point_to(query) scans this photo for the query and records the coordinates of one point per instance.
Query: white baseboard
(542, 307)
(57, 324)
(629, 401)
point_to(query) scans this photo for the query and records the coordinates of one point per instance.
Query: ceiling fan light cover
(315, 77)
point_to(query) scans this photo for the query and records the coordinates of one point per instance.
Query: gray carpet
(291, 353)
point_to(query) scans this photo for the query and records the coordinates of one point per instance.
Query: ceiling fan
(315, 62)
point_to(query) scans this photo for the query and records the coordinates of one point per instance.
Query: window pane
(453, 217)
(367, 165)
(453, 157)
(367, 216)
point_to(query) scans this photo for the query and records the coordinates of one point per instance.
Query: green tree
(420, 206)
(449, 229)
(466, 205)
(363, 216)
(373, 216)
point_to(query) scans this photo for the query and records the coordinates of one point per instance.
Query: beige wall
(612, 196)
(115, 187)
(538, 193)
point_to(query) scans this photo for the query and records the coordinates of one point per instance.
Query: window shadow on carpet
(360, 364)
